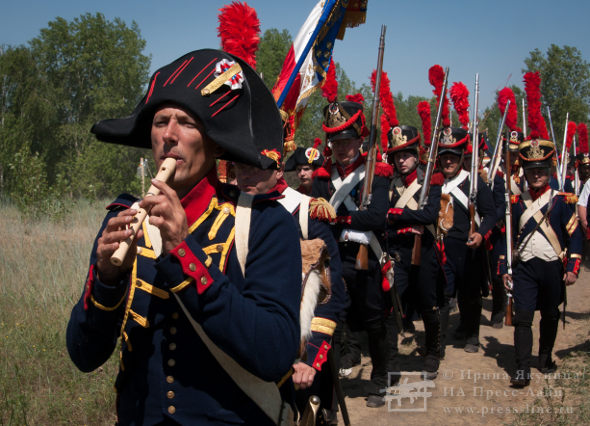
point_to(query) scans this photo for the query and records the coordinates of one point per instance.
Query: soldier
(180, 301)
(415, 278)
(464, 262)
(304, 161)
(545, 234)
(318, 320)
(493, 240)
(341, 180)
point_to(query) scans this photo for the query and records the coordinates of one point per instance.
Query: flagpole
(325, 13)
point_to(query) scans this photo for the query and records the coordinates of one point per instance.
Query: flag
(308, 58)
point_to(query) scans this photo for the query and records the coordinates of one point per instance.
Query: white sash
(343, 187)
(293, 199)
(452, 187)
(534, 210)
(342, 195)
(407, 199)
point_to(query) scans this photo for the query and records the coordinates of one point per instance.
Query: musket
(362, 258)
(496, 157)
(564, 154)
(474, 160)
(558, 167)
(576, 174)
(508, 228)
(423, 199)
(523, 119)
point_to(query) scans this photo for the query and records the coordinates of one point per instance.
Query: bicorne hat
(304, 156)
(224, 93)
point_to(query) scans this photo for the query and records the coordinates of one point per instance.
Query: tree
(70, 76)
(273, 49)
(565, 83)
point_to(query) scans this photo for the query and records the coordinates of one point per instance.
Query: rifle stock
(423, 199)
(508, 228)
(362, 258)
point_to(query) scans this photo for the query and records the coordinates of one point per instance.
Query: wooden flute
(166, 171)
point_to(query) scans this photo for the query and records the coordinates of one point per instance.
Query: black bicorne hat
(344, 120)
(236, 108)
(452, 140)
(304, 156)
(403, 138)
(536, 153)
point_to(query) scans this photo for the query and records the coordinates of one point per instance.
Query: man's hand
(166, 213)
(507, 280)
(569, 278)
(117, 230)
(474, 240)
(303, 375)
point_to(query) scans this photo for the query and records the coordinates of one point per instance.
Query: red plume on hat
(460, 97)
(505, 95)
(582, 139)
(569, 138)
(532, 87)
(436, 76)
(330, 84)
(239, 30)
(389, 116)
(423, 109)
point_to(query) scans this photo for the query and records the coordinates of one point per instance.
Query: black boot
(498, 303)
(523, 346)
(379, 349)
(444, 313)
(432, 327)
(547, 334)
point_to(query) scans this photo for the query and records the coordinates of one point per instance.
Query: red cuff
(395, 211)
(343, 220)
(321, 356)
(192, 267)
(405, 230)
(88, 287)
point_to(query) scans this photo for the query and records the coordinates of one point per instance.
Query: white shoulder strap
(242, 228)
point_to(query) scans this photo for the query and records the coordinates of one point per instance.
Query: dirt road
(475, 387)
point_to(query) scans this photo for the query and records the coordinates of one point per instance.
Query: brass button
(226, 210)
(173, 330)
(171, 409)
(204, 280)
(318, 365)
(171, 362)
(326, 347)
(138, 283)
(219, 248)
(192, 267)
(175, 315)
(172, 346)
(170, 379)
(170, 394)
(321, 356)
(181, 252)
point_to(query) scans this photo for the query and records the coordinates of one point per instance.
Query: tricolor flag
(308, 59)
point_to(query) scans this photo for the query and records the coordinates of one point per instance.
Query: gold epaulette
(569, 197)
(320, 209)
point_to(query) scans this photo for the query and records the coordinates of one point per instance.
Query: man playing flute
(183, 271)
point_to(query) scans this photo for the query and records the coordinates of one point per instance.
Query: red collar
(345, 171)
(197, 201)
(410, 177)
(280, 186)
(536, 194)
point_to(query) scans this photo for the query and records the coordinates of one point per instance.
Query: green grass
(566, 394)
(42, 270)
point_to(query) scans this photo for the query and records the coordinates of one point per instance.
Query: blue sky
(491, 38)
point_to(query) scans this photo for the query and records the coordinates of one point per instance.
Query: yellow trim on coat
(323, 325)
(141, 320)
(182, 285)
(106, 308)
(148, 288)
